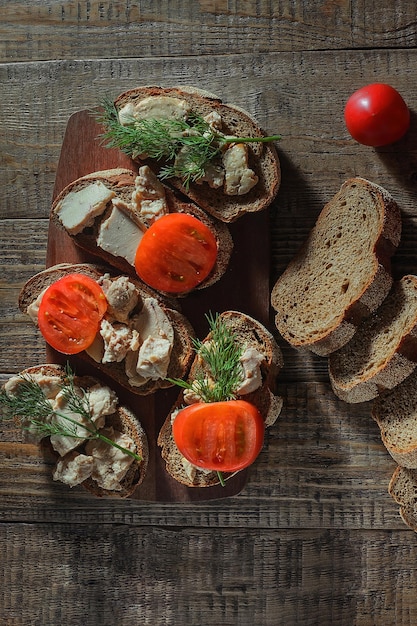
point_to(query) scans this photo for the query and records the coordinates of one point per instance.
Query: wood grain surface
(313, 538)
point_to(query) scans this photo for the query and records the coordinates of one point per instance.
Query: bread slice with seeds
(403, 489)
(383, 351)
(395, 413)
(342, 273)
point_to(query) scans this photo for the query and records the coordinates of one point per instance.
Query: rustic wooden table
(314, 537)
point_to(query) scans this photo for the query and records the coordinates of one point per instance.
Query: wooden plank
(48, 31)
(248, 577)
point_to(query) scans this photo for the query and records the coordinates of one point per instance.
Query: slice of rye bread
(342, 272)
(403, 489)
(123, 420)
(122, 182)
(263, 158)
(395, 412)
(182, 353)
(383, 351)
(248, 332)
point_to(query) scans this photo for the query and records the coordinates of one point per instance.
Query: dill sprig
(186, 146)
(36, 413)
(219, 373)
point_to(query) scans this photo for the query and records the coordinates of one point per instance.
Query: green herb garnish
(220, 372)
(187, 146)
(31, 406)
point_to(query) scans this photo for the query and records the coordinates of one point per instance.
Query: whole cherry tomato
(376, 115)
(70, 313)
(220, 436)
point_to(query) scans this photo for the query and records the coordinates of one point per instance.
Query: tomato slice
(219, 436)
(70, 313)
(176, 253)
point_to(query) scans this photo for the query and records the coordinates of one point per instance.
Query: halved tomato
(219, 436)
(176, 253)
(70, 313)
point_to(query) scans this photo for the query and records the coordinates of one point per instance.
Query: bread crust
(360, 371)
(395, 413)
(122, 182)
(291, 292)
(248, 331)
(263, 158)
(123, 420)
(403, 490)
(182, 353)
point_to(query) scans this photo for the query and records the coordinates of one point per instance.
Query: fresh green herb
(185, 146)
(37, 415)
(220, 372)
(221, 478)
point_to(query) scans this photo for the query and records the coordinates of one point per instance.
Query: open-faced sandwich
(214, 153)
(136, 224)
(113, 322)
(98, 443)
(216, 427)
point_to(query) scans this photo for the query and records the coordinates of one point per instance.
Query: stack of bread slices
(338, 299)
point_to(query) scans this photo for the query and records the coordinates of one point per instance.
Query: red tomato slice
(70, 313)
(176, 253)
(219, 436)
(376, 115)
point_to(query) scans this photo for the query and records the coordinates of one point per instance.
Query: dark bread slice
(248, 331)
(383, 351)
(122, 182)
(403, 489)
(263, 158)
(396, 415)
(182, 352)
(122, 420)
(342, 273)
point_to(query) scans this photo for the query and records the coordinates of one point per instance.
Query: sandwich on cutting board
(214, 153)
(97, 442)
(114, 322)
(136, 224)
(216, 427)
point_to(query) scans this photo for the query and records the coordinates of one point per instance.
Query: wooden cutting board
(245, 287)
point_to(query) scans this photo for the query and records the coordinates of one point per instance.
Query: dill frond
(185, 146)
(36, 413)
(220, 372)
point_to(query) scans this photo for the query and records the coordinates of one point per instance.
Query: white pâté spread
(232, 172)
(121, 220)
(154, 107)
(78, 209)
(142, 336)
(119, 235)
